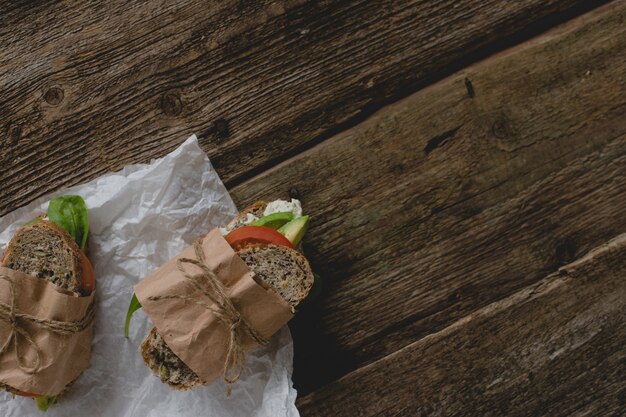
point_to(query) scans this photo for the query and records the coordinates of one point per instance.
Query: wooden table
(464, 163)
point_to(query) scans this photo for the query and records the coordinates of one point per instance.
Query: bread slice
(166, 365)
(45, 250)
(282, 269)
(255, 209)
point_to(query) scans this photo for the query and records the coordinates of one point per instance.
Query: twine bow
(11, 315)
(222, 307)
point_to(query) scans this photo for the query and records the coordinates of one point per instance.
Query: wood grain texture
(555, 348)
(88, 87)
(448, 201)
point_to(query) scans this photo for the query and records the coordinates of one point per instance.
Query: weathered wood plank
(445, 203)
(555, 348)
(88, 87)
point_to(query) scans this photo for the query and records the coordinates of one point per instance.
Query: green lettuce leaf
(44, 402)
(134, 306)
(70, 212)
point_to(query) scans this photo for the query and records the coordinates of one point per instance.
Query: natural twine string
(11, 315)
(222, 307)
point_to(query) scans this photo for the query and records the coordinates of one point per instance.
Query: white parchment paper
(139, 218)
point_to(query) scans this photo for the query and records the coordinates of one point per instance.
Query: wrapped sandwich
(46, 303)
(220, 299)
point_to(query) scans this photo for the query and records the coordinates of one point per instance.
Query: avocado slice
(274, 220)
(295, 229)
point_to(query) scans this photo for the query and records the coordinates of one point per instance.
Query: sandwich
(51, 247)
(266, 236)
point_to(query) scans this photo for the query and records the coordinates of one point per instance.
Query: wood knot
(501, 128)
(171, 104)
(222, 130)
(54, 96)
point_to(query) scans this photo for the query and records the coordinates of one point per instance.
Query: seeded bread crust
(45, 250)
(282, 269)
(256, 209)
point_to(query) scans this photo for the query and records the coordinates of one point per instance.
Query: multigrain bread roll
(280, 268)
(51, 247)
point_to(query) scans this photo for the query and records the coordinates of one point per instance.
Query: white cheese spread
(280, 206)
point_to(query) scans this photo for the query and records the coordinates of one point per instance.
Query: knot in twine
(12, 316)
(222, 307)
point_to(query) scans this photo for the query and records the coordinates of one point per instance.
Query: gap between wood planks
(410, 241)
(542, 350)
(496, 46)
(114, 83)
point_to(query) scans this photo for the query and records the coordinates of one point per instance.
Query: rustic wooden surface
(441, 223)
(444, 203)
(87, 87)
(553, 348)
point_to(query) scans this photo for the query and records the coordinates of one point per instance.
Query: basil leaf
(44, 402)
(134, 306)
(70, 212)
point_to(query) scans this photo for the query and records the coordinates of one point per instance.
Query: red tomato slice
(245, 235)
(26, 394)
(89, 280)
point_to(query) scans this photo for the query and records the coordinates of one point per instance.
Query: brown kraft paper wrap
(190, 323)
(46, 332)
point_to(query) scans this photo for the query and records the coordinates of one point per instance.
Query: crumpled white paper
(139, 218)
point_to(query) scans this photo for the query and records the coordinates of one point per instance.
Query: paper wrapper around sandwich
(63, 357)
(194, 332)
